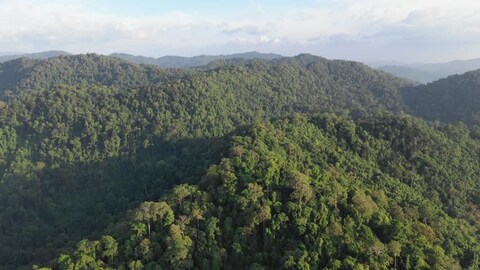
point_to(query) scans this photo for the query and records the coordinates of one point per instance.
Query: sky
(362, 30)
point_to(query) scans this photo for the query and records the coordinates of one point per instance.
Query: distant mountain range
(419, 72)
(41, 55)
(165, 61)
(195, 61)
(426, 73)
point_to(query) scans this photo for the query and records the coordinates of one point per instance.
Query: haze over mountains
(294, 162)
(39, 55)
(426, 73)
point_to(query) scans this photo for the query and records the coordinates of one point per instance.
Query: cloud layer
(367, 30)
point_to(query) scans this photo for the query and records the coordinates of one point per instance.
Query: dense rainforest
(296, 163)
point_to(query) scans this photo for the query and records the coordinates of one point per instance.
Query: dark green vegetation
(456, 98)
(24, 74)
(310, 193)
(290, 163)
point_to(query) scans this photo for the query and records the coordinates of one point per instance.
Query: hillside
(318, 192)
(305, 82)
(77, 124)
(25, 74)
(452, 99)
(87, 140)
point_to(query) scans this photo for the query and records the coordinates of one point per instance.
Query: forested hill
(93, 147)
(318, 192)
(303, 81)
(453, 99)
(25, 74)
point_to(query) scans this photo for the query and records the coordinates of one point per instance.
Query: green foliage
(330, 205)
(24, 74)
(177, 169)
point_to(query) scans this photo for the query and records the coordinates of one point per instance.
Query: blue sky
(364, 30)
(154, 8)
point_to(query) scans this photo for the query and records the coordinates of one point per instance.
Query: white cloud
(359, 29)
